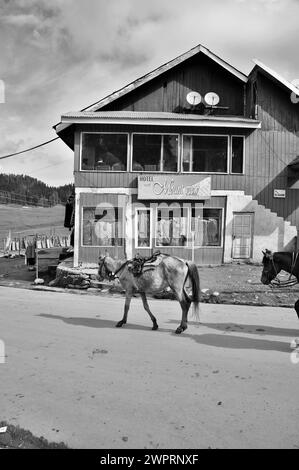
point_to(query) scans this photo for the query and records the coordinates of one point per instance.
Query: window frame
(101, 246)
(101, 133)
(178, 135)
(191, 155)
(231, 154)
(150, 209)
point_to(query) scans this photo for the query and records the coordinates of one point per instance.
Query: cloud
(20, 20)
(66, 54)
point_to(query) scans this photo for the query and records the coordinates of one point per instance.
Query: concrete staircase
(269, 230)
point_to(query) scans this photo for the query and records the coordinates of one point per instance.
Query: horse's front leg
(185, 303)
(297, 307)
(127, 306)
(147, 309)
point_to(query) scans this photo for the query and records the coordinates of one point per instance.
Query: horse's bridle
(110, 274)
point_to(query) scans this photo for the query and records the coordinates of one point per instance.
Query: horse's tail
(195, 283)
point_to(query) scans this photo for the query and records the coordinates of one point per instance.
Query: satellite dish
(193, 98)
(212, 99)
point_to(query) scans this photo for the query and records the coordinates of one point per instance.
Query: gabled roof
(164, 68)
(274, 75)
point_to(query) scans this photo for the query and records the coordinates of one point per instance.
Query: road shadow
(240, 342)
(99, 323)
(261, 330)
(214, 340)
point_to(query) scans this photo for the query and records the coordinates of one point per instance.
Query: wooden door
(242, 235)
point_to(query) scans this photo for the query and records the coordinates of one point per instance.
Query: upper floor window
(205, 153)
(154, 152)
(104, 152)
(237, 162)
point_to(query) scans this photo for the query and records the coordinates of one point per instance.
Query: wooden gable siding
(275, 107)
(168, 92)
(273, 146)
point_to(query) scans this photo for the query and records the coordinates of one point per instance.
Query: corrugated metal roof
(140, 115)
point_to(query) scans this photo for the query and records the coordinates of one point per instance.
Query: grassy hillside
(30, 220)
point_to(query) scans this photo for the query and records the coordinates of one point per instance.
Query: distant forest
(22, 189)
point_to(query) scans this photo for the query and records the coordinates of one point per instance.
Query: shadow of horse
(261, 330)
(240, 342)
(97, 323)
(213, 340)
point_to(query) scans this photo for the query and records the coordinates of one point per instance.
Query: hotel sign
(178, 187)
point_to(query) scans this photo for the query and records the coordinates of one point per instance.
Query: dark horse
(274, 262)
(166, 271)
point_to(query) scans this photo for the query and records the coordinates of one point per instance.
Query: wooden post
(36, 263)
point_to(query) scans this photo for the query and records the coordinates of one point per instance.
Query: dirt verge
(17, 438)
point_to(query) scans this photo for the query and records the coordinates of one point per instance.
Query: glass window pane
(237, 154)
(146, 152)
(209, 154)
(153, 152)
(207, 227)
(102, 226)
(170, 152)
(104, 152)
(143, 228)
(171, 227)
(187, 139)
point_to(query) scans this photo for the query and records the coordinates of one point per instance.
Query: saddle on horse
(140, 264)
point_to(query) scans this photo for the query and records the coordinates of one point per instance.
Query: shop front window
(102, 226)
(207, 154)
(104, 152)
(152, 152)
(172, 227)
(143, 228)
(206, 225)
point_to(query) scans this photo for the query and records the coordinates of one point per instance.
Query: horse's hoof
(155, 327)
(180, 330)
(119, 324)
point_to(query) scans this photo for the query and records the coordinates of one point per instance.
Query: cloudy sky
(62, 55)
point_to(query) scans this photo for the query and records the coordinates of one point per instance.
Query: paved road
(71, 376)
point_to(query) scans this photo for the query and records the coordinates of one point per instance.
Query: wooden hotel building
(195, 159)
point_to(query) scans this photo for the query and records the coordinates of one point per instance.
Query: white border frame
(178, 135)
(106, 171)
(206, 172)
(150, 209)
